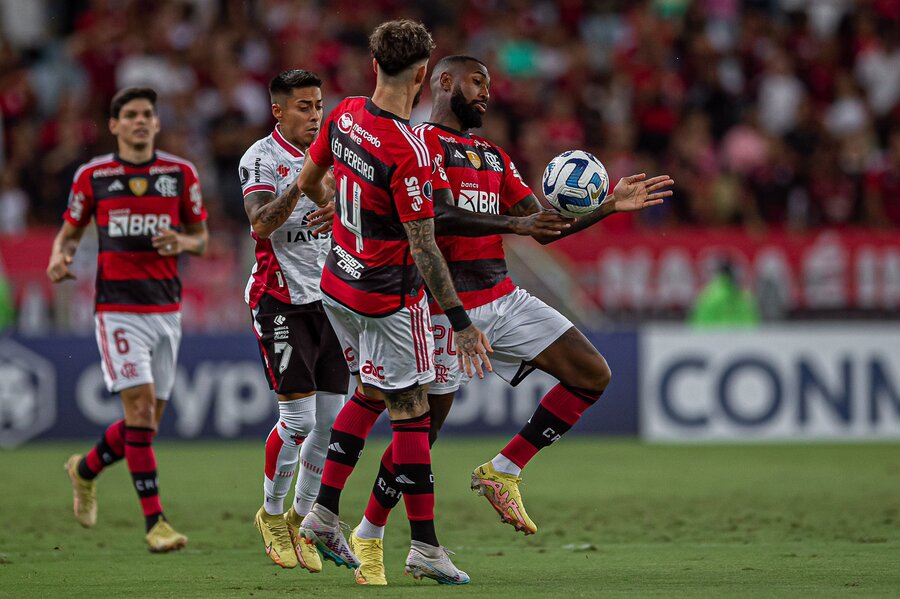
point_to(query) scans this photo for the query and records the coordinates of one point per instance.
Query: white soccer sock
(296, 419)
(367, 530)
(502, 464)
(314, 450)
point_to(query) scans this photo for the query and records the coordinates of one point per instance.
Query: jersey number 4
(350, 210)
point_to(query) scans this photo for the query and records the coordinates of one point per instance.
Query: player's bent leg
(584, 374)
(84, 493)
(83, 471)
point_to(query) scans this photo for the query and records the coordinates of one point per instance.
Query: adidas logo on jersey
(457, 154)
(115, 186)
(336, 448)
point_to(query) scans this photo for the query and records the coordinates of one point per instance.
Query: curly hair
(397, 45)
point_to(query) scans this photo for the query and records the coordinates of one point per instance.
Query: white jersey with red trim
(289, 263)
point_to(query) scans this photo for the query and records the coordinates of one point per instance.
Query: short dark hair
(397, 45)
(286, 81)
(454, 59)
(128, 94)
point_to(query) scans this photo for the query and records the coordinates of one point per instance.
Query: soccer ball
(575, 183)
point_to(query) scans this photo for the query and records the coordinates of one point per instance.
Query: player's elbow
(262, 231)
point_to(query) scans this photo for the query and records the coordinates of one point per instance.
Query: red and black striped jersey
(129, 203)
(384, 174)
(482, 179)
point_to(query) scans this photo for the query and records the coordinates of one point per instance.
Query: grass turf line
(615, 518)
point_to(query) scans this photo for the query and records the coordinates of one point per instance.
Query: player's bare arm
(453, 220)
(65, 244)
(318, 184)
(193, 240)
(470, 342)
(631, 194)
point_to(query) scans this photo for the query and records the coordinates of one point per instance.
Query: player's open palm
(638, 192)
(58, 269)
(472, 346)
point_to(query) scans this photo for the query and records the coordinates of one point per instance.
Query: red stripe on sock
(115, 440)
(419, 507)
(376, 513)
(274, 443)
(519, 451)
(336, 474)
(140, 458)
(356, 419)
(564, 404)
(151, 505)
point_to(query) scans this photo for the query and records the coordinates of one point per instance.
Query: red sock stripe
(419, 507)
(358, 415)
(519, 451)
(336, 474)
(151, 505)
(114, 440)
(376, 513)
(417, 424)
(138, 450)
(274, 443)
(566, 405)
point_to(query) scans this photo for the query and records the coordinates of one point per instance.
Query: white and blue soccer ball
(575, 183)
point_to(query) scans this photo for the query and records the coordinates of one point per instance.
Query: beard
(468, 117)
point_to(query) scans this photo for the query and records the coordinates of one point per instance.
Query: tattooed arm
(267, 212)
(470, 341)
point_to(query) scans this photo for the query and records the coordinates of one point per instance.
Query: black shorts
(298, 347)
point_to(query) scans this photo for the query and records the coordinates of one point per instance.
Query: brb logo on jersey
(122, 223)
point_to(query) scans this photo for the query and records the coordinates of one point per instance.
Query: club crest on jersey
(166, 186)
(473, 158)
(283, 171)
(494, 161)
(138, 185)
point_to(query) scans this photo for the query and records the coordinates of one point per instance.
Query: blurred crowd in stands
(768, 113)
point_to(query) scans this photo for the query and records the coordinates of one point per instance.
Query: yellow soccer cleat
(163, 538)
(84, 494)
(305, 548)
(502, 492)
(371, 560)
(276, 538)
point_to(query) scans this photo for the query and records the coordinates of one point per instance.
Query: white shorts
(391, 353)
(136, 349)
(519, 327)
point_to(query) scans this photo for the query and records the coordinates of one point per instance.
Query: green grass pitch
(616, 519)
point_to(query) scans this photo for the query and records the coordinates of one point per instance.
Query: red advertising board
(851, 269)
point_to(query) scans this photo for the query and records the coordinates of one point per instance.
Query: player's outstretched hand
(472, 347)
(58, 269)
(322, 219)
(546, 223)
(167, 242)
(637, 192)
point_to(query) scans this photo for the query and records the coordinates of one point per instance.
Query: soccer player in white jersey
(301, 356)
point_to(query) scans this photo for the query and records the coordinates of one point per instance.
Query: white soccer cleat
(329, 540)
(427, 561)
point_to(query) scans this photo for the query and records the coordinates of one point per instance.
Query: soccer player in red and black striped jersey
(383, 250)
(525, 333)
(148, 209)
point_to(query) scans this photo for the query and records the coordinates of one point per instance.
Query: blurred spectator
(724, 303)
(758, 107)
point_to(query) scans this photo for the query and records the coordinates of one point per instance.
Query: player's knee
(599, 376)
(298, 424)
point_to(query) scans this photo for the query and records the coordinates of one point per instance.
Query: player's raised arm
(452, 220)
(631, 194)
(471, 342)
(65, 244)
